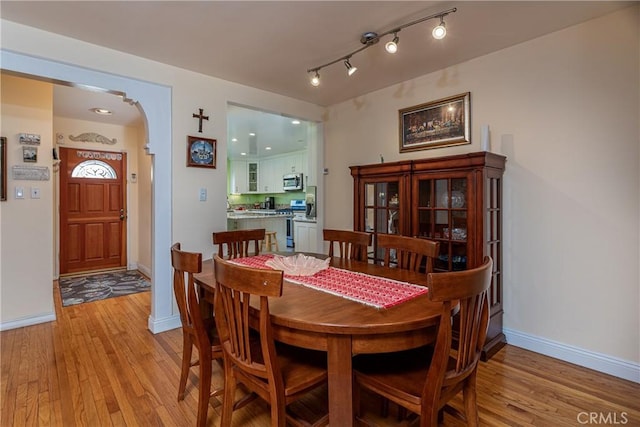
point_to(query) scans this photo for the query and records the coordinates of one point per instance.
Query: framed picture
(3, 168)
(201, 152)
(435, 124)
(30, 154)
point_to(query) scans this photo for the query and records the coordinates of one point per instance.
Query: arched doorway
(154, 101)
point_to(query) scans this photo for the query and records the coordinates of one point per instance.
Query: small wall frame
(3, 168)
(201, 152)
(30, 154)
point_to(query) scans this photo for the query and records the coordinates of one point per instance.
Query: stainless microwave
(292, 182)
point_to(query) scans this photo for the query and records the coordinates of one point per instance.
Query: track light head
(350, 68)
(315, 79)
(392, 46)
(440, 31)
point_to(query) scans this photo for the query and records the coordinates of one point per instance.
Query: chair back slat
(238, 243)
(351, 244)
(408, 253)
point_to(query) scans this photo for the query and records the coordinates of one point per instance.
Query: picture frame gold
(201, 152)
(441, 123)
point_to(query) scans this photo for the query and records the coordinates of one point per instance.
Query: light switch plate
(35, 193)
(19, 192)
(203, 194)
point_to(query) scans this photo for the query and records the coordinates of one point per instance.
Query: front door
(93, 225)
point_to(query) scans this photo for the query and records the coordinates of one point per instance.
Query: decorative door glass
(381, 211)
(253, 176)
(442, 216)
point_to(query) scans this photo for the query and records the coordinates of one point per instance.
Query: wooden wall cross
(200, 118)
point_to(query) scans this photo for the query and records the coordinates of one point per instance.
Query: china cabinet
(456, 200)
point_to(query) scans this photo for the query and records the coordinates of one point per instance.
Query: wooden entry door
(93, 226)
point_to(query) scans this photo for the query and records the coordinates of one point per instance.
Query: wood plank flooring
(98, 365)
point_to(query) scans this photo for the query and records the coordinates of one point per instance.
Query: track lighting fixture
(392, 46)
(350, 68)
(440, 31)
(315, 80)
(370, 38)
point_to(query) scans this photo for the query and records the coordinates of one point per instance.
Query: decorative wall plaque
(98, 155)
(29, 138)
(93, 137)
(30, 173)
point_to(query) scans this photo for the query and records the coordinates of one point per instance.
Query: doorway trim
(154, 102)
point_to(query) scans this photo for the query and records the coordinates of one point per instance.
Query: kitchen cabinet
(455, 200)
(238, 177)
(264, 175)
(253, 175)
(305, 236)
(270, 175)
(295, 163)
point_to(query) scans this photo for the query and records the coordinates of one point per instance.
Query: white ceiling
(271, 44)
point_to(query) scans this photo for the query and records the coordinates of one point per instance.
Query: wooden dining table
(343, 328)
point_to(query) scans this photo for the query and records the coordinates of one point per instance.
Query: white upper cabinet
(238, 177)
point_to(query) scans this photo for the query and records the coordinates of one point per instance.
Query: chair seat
(400, 374)
(301, 369)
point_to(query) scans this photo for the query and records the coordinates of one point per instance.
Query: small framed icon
(201, 152)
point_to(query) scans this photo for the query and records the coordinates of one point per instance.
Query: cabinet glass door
(381, 212)
(253, 176)
(442, 216)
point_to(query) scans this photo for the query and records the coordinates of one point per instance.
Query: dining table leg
(340, 379)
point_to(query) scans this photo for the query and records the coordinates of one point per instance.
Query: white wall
(564, 110)
(26, 229)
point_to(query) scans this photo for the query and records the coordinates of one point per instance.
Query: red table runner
(375, 291)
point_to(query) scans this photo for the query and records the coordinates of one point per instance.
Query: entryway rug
(95, 287)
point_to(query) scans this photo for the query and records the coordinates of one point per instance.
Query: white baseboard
(28, 321)
(144, 270)
(165, 324)
(578, 356)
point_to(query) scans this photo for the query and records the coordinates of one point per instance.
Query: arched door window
(94, 169)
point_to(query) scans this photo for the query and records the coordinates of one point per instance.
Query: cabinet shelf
(455, 200)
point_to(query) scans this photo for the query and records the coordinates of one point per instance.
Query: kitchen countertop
(256, 213)
(303, 219)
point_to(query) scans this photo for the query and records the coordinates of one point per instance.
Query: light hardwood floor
(98, 365)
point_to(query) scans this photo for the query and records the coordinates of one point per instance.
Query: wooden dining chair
(425, 380)
(237, 243)
(197, 330)
(278, 374)
(351, 244)
(408, 253)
